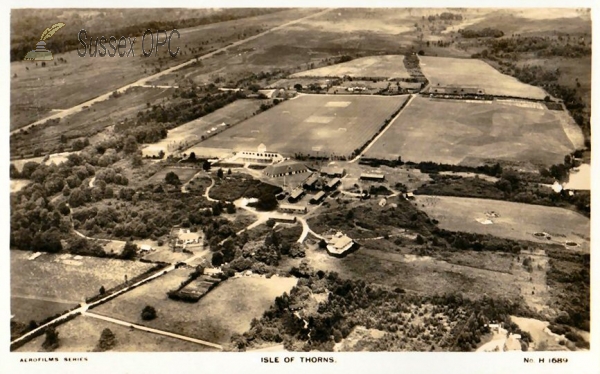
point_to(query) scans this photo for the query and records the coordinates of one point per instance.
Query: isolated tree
(148, 313)
(102, 290)
(129, 251)
(130, 145)
(51, 342)
(172, 178)
(107, 341)
(322, 244)
(220, 173)
(228, 171)
(192, 156)
(298, 87)
(206, 165)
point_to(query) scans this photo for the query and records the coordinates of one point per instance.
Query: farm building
(332, 184)
(313, 183)
(409, 196)
(339, 244)
(187, 237)
(296, 195)
(298, 209)
(382, 202)
(285, 168)
(332, 171)
(146, 248)
(372, 177)
(316, 199)
(410, 86)
(457, 90)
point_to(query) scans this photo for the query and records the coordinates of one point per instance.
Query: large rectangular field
(391, 66)
(227, 309)
(192, 132)
(446, 71)
(472, 132)
(515, 220)
(332, 124)
(53, 283)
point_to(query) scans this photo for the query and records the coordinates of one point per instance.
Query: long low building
(285, 168)
(372, 177)
(289, 208)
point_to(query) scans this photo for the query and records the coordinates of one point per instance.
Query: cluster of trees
(445, 16)
(569, 278)
(486, 32)
(354, 302)
(237, 186)
(153, 124)
(144, 214)
(542, 46)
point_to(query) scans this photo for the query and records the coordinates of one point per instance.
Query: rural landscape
(302, 180)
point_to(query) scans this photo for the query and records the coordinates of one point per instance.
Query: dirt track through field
(154, 331)
(145, 81)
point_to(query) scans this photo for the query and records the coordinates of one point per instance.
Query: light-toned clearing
(445, 71)
(580, 179)
(455, 132)
(55, 158)
(391, 66)
(515, 220)
(356, 335)
(501, 342)
(543, 338)
(18, 184)
(488, 178)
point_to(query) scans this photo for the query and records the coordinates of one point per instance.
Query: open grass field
(82, 335)
(391, 66)
(89, 121)
(311, 123)
(445, 71)
(227, 309)
(419, 274)
(184, 174)
(516, 221)
(34, 88)
(461, 132)
(37, 286)
(192, 132)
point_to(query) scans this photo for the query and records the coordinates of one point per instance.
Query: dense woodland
(448, 322)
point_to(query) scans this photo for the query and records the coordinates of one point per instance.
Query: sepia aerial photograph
(300, 180)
